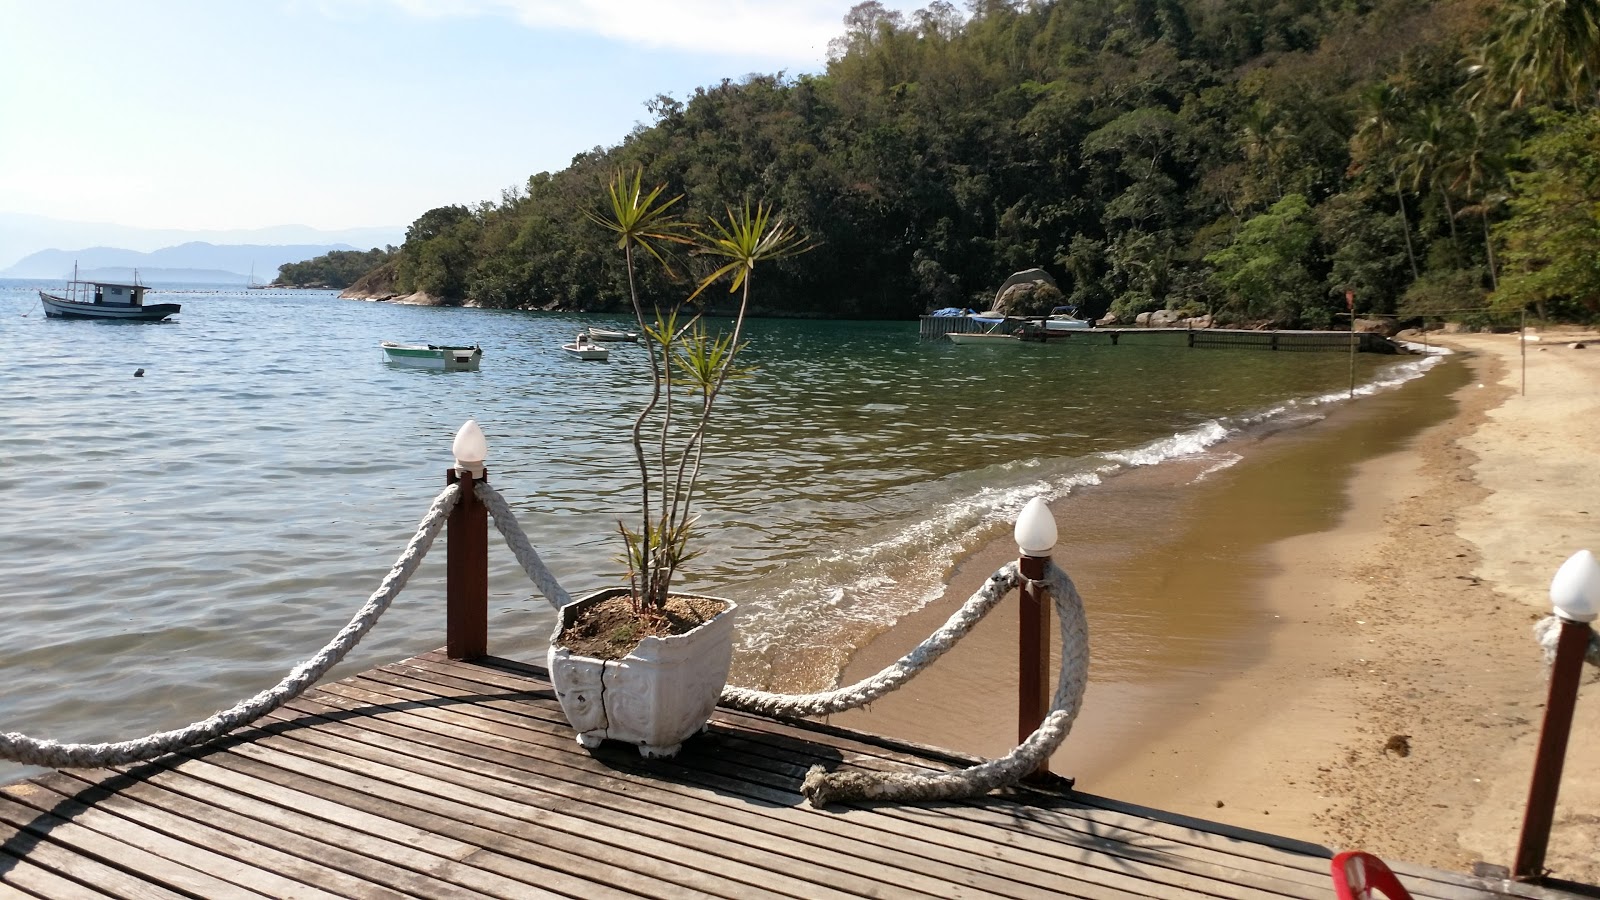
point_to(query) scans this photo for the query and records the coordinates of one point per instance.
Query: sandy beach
(1389, 693)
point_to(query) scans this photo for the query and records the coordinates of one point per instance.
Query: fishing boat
(610, 336)
(105, 300)
(584, 347)
(433, 356)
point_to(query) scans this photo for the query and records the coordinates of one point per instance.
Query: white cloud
(786, 32)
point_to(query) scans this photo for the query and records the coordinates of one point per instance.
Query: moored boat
(584, 347)
(433, 356)
(105, 300)
(611, 336)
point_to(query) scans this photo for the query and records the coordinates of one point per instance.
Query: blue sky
(225, 114)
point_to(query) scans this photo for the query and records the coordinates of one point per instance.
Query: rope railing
(56, 755)
(822, 787)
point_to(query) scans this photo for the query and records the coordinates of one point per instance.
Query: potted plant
(643, 663)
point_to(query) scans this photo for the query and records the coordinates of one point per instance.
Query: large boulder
(1019, 287)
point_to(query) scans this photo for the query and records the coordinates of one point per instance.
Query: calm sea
(175, 542)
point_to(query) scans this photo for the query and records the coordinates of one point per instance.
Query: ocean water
(172, 543)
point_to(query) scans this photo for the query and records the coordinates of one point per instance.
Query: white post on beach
(1575, 592)
(1036, 537)
(1350, 304)
(1522, 332)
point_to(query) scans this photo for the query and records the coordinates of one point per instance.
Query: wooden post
(1033, 653)
(467, 572)
(1571, 647)
(1522, 335)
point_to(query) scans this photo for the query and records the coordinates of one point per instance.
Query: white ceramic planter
(656, 696)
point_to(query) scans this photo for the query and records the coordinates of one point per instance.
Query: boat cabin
(118, 294)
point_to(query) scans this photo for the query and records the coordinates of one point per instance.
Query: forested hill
(1255, 158)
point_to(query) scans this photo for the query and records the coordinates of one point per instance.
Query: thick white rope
(506, 523)
(895, 674)
(35, 752)
(1547, 632)
(822, 787)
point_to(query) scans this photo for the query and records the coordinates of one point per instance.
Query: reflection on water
(205, 526)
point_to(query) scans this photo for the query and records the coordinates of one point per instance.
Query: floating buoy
(138, 373)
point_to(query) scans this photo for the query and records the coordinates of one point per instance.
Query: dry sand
(1394, 693)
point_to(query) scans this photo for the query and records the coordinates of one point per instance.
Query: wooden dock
(1300, 341)
(437, 778)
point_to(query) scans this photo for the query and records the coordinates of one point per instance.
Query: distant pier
(1030, 330)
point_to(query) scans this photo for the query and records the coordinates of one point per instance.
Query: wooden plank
(708, 853)
(603, 853)
(320, 853)
(100, 849)
(669, 802)
(665, 772)
(1088, 854)
(498, 848)
(23, 879)
(1269, 856)
(237, 873)
(44, 853)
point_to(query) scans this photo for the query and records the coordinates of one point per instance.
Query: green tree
(1264, 270)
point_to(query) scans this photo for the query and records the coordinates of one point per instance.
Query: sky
(232, 114)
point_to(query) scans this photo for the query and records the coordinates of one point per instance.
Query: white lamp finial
(470, 449)
(1575, 589)
(1036, 529)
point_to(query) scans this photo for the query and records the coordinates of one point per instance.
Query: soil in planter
(610, 629)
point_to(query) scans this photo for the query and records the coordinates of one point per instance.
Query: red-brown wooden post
(1575, 592)
(1036, 536)
(467, 552)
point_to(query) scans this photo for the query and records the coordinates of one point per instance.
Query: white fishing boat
(610, 336)
(584, 347)
(105, 300)
(433, 356)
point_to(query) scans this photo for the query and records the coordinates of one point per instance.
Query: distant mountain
(165, 276)
(238, 259)
(21, 235)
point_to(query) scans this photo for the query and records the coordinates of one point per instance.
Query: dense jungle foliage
(1256, 159)
(337, 269)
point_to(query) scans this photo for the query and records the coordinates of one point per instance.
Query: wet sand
(1328, 640)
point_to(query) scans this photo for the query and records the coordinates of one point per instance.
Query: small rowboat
(606, 334)
(987, 337)
(584, 350)
(433, 356)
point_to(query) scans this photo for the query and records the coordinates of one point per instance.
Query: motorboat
(105, 300)
(610, 336)
(433, 356)
(584, 347)
(1064, 318)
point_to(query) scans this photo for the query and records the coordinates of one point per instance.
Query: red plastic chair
(1356, 875)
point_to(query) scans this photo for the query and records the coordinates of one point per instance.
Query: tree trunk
(1405, 229)
(1488, 247)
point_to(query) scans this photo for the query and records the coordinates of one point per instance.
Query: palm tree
(1541, 51)
(1479, 170)
(1383, 116)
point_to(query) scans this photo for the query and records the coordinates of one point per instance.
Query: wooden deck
(441, 779)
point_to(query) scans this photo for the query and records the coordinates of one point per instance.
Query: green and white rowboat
(433, 356)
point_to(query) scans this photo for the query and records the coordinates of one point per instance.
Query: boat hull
(62, 308)
(430, 356)
(602, 334)
(594, 353)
